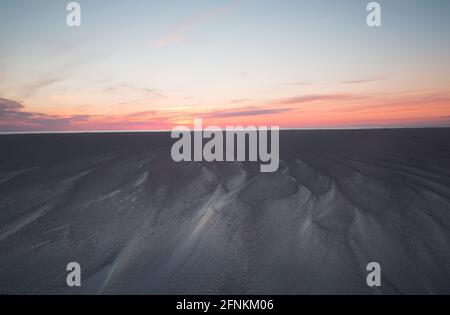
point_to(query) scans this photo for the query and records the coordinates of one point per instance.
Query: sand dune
(138, 222)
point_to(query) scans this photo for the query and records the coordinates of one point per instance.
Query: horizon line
(221, 129)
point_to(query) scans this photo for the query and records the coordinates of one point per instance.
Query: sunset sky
(152, 65)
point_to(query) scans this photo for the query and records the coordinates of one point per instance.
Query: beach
(138, 222)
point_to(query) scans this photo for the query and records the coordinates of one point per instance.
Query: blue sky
(182, 58)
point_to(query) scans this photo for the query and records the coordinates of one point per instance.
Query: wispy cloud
(9, 105)
(178, 33)
(244, 112)
(275, 106)
(361, 81)
(142, 114)
(296, 83)
(13, 113)
(356, 81)
(116, 88)
(35, 86)
(303, 99)
(244, 75)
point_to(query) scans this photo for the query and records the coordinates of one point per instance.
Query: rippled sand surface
(137, 222)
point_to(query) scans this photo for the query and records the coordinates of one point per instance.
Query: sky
(154, 65)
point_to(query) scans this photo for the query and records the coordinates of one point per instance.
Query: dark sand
(138, 222)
